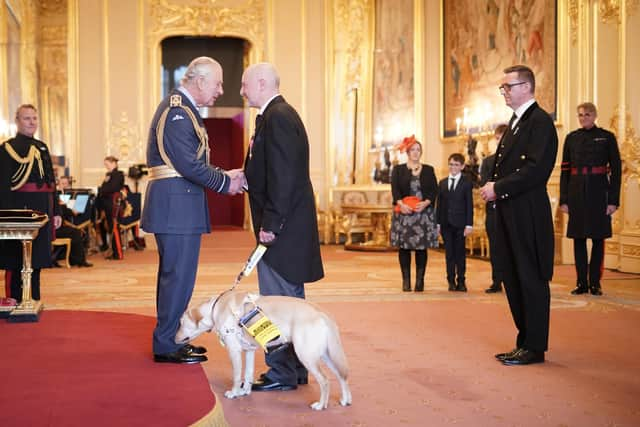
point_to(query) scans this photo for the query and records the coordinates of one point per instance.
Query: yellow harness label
(263, 331)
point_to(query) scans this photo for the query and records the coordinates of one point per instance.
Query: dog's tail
(335, 350)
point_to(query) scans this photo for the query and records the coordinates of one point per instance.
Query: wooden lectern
(23, 225)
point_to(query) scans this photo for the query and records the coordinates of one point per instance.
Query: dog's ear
(202, 317)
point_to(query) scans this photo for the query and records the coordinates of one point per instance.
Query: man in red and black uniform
(26, 169)
(112, 184)
(590, 194)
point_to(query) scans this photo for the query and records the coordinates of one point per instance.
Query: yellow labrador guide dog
(312, 332)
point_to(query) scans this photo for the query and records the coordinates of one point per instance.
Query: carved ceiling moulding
(610, 9)
(207, 18)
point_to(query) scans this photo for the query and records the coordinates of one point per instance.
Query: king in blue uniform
(175, 207)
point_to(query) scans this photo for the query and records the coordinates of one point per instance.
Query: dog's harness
(254, 321)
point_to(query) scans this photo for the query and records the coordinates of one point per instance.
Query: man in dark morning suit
(28, 182)
(486, 170)
(283, 209)
(524, 229)
(590, 194)
(175, 207)
(454, 215)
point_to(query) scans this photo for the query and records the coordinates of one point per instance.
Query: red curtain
(227, 152)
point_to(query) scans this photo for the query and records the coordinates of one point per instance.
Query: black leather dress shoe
(461, 288)
(502, 356)
(493, 289)
(265, 384)
(180, 356)
(452, 287)
(85, 264)
(596, 290)
(194, 349)
(524, 357)
(580, 289)
(301, 380)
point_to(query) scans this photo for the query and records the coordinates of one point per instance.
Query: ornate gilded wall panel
(53, 76)
(202, 18)
(350, 29)
(610, 9)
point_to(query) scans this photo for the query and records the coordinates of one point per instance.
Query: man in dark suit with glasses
(524, 228)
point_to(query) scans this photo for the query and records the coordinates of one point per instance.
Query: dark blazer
(525, 159)
(455, 208)
(113, 182)
(486, 169)
(281, 195)
(401, 178)
(179, 205)
(588, 193)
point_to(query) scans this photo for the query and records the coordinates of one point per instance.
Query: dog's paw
(345, 402)
(231, 394)
(317, 406)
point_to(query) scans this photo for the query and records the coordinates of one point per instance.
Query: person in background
(28, 182)
(486, 169)
(413, 226)
(283, 209)
(113, 182)
(590, 194)
(454, 215)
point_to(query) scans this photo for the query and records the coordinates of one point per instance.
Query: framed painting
(483, 37)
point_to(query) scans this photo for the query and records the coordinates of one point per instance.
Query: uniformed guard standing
(112, 184)
(25, 166)
(175, 206)
(590, 194)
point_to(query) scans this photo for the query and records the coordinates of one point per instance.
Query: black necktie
(258, 120)
(513, 118)
(452, 182)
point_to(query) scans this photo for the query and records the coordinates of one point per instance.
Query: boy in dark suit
(454, 214)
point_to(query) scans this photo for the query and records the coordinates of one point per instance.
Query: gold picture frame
(480, 39)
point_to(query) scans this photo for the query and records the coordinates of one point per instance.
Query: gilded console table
(380, 220)
(23, 225)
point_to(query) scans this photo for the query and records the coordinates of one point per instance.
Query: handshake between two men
(238, 183)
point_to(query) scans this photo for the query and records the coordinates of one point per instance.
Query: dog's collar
(213, 306)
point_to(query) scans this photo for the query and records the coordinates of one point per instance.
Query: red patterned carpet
(78, 368)
(416, 359)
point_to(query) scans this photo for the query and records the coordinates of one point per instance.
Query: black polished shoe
(493, 289)
(180, 356)
(194, 349)
(452, 287)
(461, 288)
(265, 384)
(502, 356)
(580, 289)
(524, 357)
(596, 290)
(85, 264)
(301, 380)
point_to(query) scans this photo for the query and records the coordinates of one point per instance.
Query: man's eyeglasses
(506, 87)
